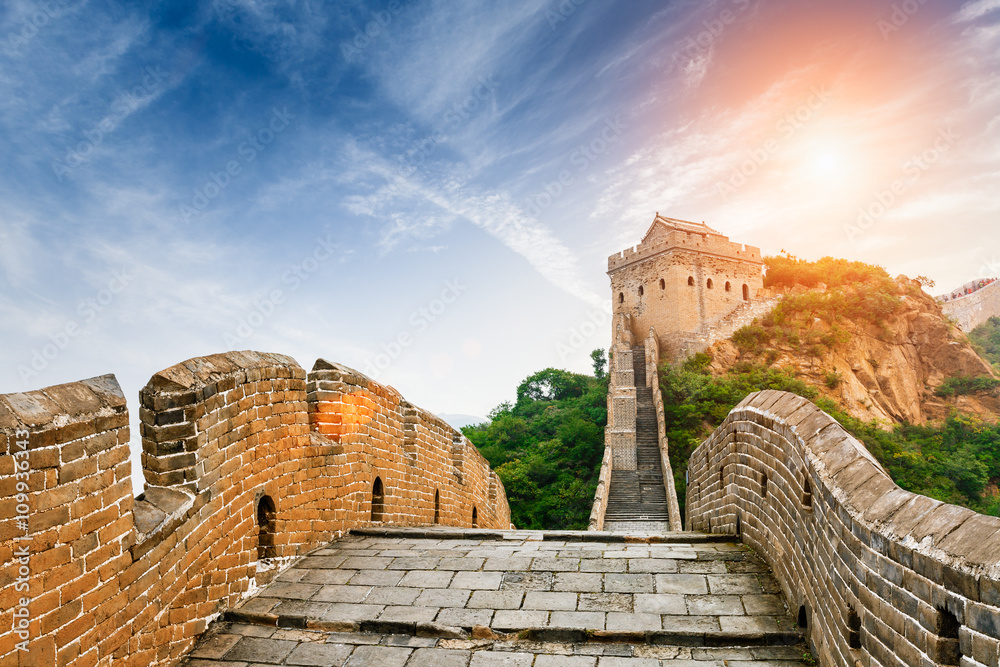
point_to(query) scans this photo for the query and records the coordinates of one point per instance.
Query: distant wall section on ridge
(971, 310)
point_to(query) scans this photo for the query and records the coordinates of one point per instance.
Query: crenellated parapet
(249, 460)
(875, 574)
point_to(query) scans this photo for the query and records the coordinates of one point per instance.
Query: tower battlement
(683, 279)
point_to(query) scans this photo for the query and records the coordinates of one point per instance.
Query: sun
(827, 163)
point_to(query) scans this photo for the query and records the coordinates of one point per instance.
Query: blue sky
(441, 183)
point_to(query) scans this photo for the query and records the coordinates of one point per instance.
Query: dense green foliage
(954, 462)
(962, 384)
(858, 296)
(547, 447)
(986, 339)
(788, 271)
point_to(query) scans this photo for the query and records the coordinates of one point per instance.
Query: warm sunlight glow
(827, 163)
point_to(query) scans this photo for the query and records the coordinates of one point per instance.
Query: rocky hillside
(881, 349)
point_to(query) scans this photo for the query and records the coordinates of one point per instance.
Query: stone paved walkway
(417, 597)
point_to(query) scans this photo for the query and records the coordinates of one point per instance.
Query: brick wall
(974, 309)
(619, 433)
(231, 443)
(653, 380)
(878, 575)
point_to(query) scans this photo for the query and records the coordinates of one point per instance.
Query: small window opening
(739, 526)
(710, 283)
(691, 281)
(663, 284)
(621, 297)
(763, 485)
(475, 517)
(266, 514)
(437, 506)
(807, 495)
(853, 629)
(949, 651)
(722, 477)
(378, 500)
(729, 286)
(803, 619)
(746, 293)
(640, 290)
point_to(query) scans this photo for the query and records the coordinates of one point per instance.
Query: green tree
(547, 447)
(600, 363)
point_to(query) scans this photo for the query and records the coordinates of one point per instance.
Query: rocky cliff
(888, 369)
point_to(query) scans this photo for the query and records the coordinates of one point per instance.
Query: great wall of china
(294, 518)
(971, 310)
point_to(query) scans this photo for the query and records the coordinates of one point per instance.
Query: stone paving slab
(411, 578)
(239, 645)
(413, 596)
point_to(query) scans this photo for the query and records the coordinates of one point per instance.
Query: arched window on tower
(621, 297)
(266, 514)
(691, 281)
(710, 283)
(746, 292)
(729, 286)
(663, 284)
(640, 290)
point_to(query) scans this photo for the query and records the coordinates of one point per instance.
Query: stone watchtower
(686, 281)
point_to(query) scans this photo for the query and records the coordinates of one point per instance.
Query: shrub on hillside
(960, 385)
(986, 339)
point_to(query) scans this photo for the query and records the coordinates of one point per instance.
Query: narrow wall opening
(437, 506)
(803, 617)
(378, 500)
(746, 292)
(807, 495)
(266, 519)
(763, 485)
(853, 628)
(475, 517)
(690, 281)
(948, 651)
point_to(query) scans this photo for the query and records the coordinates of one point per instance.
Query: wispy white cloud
(976, 9)
(494, 213)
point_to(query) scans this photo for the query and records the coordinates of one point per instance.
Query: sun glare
(827, 163)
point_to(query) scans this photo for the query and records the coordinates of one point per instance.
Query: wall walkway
(875, 574)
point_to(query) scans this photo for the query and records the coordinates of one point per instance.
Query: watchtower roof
(671, 234)
(672, 224)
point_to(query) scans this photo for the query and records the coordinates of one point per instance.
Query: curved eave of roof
(680, 225)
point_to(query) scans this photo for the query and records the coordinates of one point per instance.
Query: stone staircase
(637, 499)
